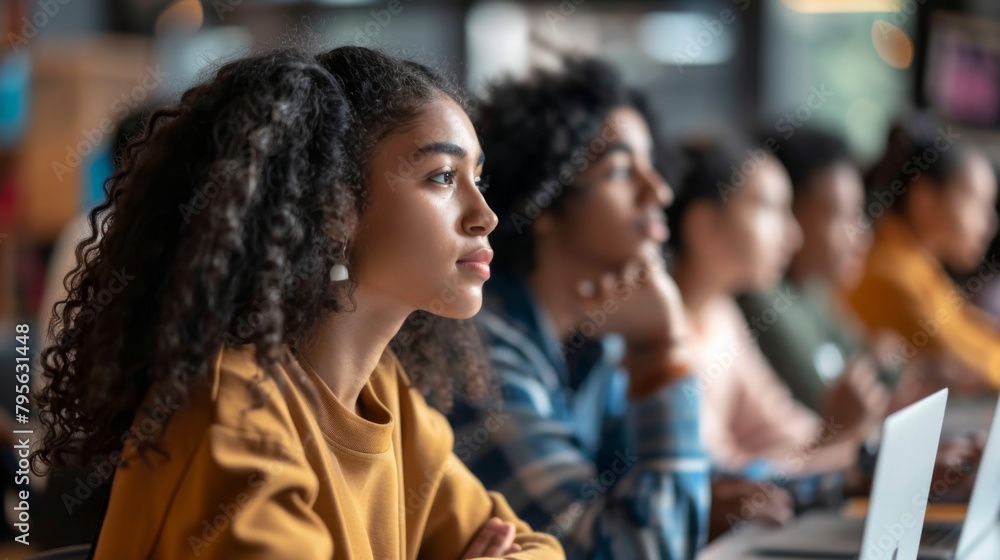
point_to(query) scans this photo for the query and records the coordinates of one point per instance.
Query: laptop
(900, 489)
(982, 520)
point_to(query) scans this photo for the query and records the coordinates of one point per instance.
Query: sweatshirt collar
(368, 432)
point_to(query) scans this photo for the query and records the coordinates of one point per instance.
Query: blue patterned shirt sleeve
(643, 494)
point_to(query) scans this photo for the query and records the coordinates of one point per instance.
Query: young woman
(934, 196)
(735, 232)
(601, 445)
(817, 339)
(225, 343)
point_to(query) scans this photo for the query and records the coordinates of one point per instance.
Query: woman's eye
(481, 184)
(446, 178)
(620, 172)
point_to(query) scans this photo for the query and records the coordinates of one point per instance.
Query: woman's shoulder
(246, 398)
(227, 398)
(723, 320)
(218, 435)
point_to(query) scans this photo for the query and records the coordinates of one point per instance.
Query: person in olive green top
(806, 345)
(804, 330)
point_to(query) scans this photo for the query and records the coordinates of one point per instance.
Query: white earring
(338, 273)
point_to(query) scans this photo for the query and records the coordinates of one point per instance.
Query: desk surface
(735, 544)
(739, 544)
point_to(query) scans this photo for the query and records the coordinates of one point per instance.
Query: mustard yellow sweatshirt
(291, 480)
(906, 290)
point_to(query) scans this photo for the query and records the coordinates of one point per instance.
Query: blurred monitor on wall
(962, 78)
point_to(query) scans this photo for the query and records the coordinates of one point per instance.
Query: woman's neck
(345, 348)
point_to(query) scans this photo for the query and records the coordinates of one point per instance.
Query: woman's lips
(481, 269)
(656, 230)
(478, 262)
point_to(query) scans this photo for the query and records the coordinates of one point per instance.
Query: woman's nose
(479, 219)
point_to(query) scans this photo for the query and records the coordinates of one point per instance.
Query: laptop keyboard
(941, 536)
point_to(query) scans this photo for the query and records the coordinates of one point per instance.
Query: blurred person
(816, 338)
(934, 198)
(225, 342)
(735, 232)
(592, 438)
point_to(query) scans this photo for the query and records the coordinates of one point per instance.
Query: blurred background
(72, 70)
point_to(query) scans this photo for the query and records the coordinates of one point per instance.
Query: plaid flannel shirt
(609, 477)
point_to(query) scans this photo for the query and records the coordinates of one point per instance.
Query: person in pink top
(733, 231)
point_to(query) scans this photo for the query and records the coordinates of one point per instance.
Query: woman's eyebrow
(449, 148)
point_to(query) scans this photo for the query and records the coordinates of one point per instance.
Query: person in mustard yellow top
(277, 248)
(934, 196)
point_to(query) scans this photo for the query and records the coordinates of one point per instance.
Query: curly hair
(219, 228)
(538, 133)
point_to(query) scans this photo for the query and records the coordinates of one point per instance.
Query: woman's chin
(466, 312)
(463, 307)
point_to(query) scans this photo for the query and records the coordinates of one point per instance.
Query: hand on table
(736, 501)
(857, 400)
